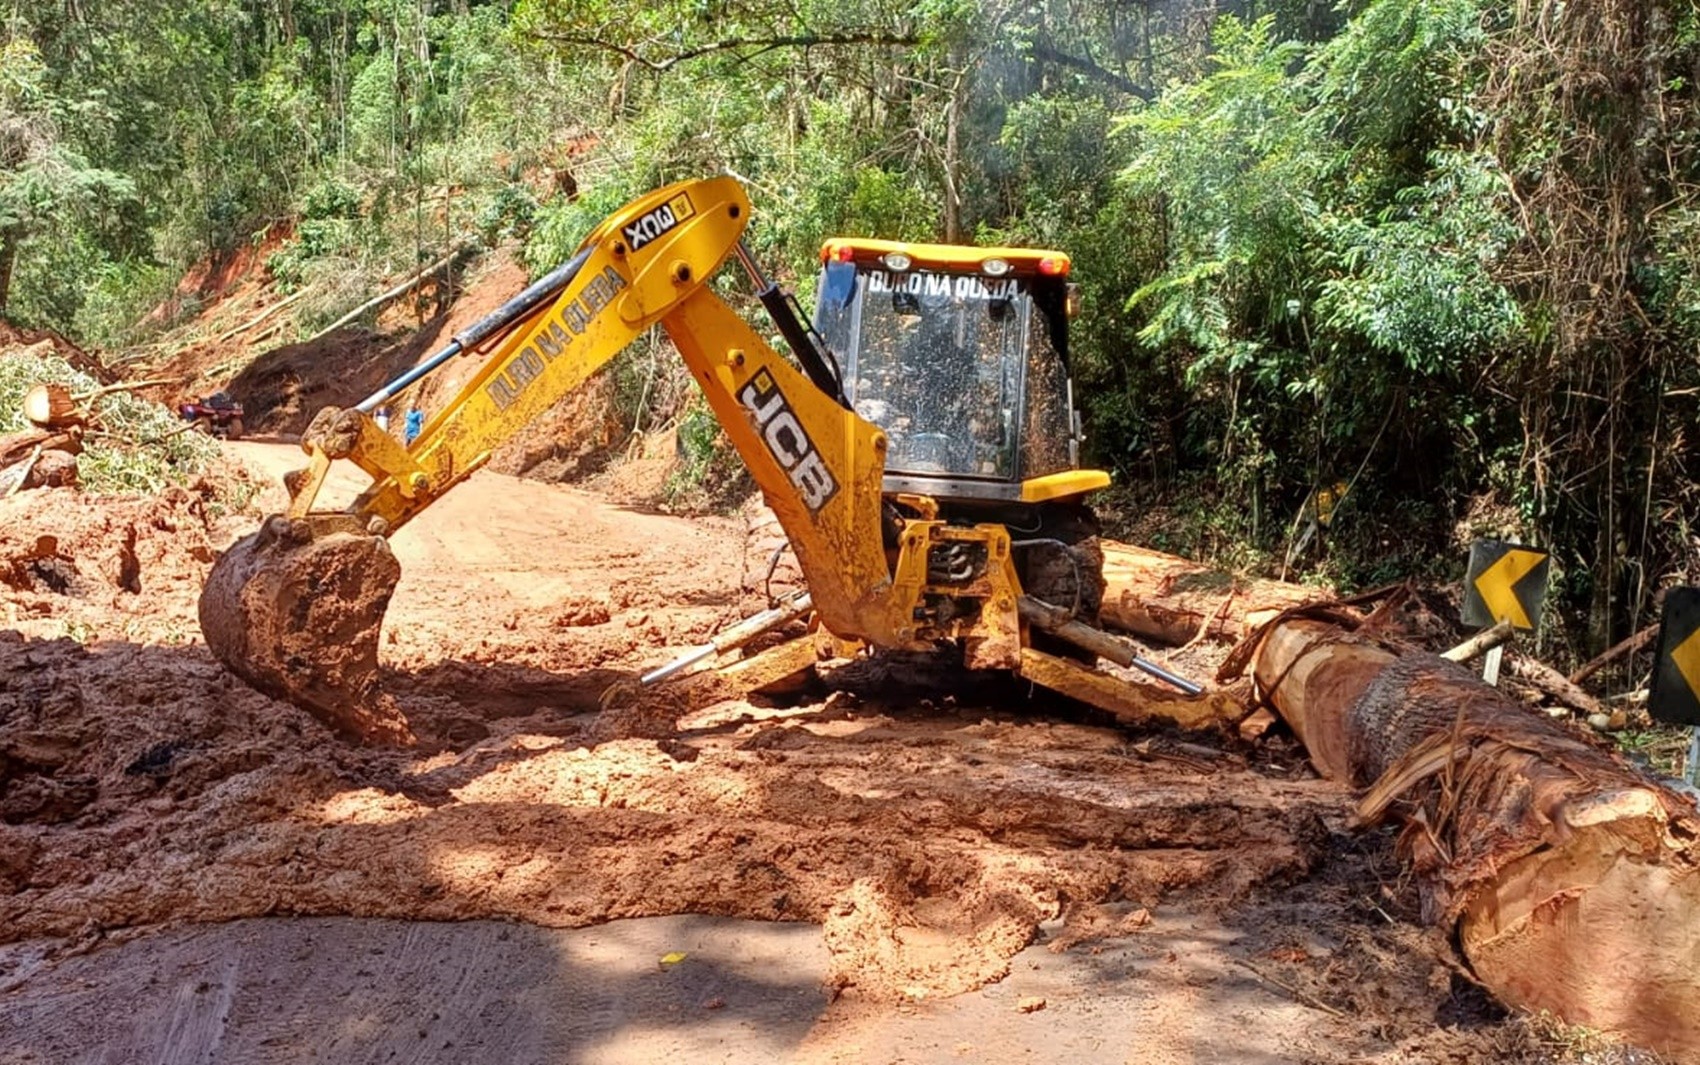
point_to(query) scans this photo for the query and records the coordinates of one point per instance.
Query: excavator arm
(270, 609)
(817, 463)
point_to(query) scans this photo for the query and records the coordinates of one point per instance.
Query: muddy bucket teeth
(298, 616)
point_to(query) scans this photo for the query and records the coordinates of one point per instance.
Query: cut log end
(1601, 931)
(51, 406)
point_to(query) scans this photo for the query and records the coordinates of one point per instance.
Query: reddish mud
(932, 834)
(298, 618)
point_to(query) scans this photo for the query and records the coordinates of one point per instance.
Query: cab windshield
(936, 360)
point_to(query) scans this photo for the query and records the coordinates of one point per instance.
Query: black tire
(233, 429)
(1068, 575)
(203, 425)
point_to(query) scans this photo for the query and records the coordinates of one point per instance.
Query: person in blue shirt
(415, 423)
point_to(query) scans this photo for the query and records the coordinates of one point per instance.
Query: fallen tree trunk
(1570, 878)
(1175, 601)
(1613, 653)
(14, 447)
(413, 281)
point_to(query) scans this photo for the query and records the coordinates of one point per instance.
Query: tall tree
(43, 178)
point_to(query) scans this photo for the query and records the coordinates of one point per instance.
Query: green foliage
(329, 225)
(51, 271)
(563, 225)
(1387, 81)
(115, 295)
(1417, 283)
(710, 475)
(1661, 748)
(509, 215)
(51, 197)
(1445, 250)
(1059, 151)
(1236, 163)
(1331, 257)
(143, 448)
(1673, 272)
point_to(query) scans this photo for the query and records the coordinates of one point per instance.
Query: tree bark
(1569, 877)
(9, 238)
(952, 165)
(1481, 643)
(18, 445)
(1553, 684)
(1174, 601)
(1612, 654)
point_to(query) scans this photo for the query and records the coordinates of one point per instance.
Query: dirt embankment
(283, 385)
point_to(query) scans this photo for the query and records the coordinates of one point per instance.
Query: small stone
(1030, 1004)
(1599, 722)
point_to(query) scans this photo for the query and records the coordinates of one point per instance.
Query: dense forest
(1440, 254)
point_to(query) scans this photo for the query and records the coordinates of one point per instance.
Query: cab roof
(949, 258)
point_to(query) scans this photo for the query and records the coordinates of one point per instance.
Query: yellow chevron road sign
(1675, 693)
(1505, 582)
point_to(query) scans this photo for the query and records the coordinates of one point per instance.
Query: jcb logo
(786, 439)
(658, 221)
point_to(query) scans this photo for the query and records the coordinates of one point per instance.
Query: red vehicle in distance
(215, 415)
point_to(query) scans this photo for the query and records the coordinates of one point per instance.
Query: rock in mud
(298, 617)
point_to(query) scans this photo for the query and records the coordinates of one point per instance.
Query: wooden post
(1481, 642)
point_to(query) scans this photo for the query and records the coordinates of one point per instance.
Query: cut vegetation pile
(120, 442)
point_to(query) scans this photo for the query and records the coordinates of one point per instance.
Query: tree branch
(762, 44)
(1046, 54)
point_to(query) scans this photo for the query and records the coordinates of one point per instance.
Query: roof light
(1053, 266)
(896, 260)
(995, 267)
(837, 253)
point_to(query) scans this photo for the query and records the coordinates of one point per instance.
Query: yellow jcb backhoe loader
(921, 456)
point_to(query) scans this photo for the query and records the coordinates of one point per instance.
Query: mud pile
(93, 566)
(298, 618)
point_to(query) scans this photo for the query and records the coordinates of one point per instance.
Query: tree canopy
(1442, 253)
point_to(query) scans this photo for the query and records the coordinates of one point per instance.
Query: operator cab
(960, 355)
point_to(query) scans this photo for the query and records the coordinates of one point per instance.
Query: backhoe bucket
(298, 616)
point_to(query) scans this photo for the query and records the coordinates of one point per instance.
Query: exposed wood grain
(1570, 877)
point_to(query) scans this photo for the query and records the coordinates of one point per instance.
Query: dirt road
(190, 871)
